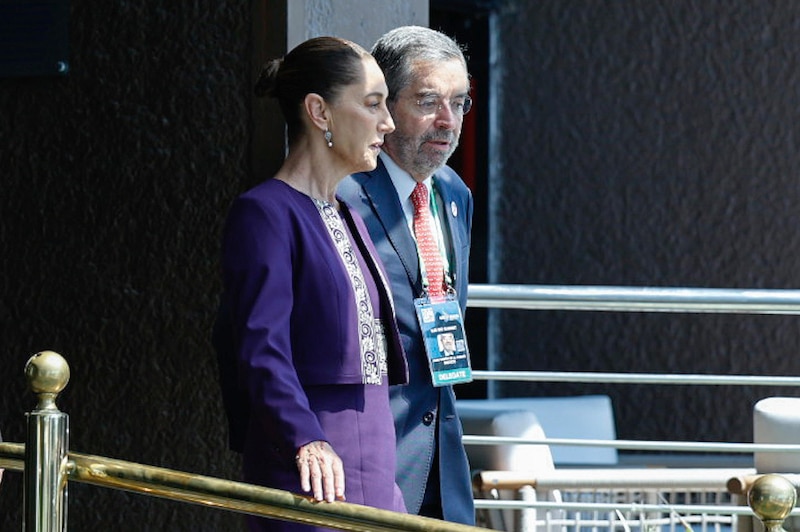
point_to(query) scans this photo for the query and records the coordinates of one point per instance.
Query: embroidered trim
(371, 339)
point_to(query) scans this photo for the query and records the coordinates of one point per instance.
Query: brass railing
(226, 494)
(47, 466)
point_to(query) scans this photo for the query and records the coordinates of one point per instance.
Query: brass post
(45, 474)
(772, 498)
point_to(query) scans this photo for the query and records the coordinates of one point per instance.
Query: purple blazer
(288, 315)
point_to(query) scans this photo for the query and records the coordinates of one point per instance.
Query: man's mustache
(446, 136)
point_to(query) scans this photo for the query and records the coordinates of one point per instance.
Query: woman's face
(360, 119)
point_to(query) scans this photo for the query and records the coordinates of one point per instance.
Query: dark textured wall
(649, 144)
(115, 182)
(641, 143)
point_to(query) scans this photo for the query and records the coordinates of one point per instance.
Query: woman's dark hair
(322, 65)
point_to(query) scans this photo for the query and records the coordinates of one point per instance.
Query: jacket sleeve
(257, 269)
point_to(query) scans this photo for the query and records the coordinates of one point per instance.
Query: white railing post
(527, 517)
(45, 475)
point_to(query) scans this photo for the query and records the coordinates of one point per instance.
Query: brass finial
(772, 498)
(48, 374)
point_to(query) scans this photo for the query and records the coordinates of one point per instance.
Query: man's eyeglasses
(434, 103)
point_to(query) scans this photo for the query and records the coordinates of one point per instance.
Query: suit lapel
(446, 214)
(386, 205)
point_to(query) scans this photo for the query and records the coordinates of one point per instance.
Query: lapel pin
(453, 208)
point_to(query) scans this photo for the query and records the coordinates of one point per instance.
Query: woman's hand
(321, 471)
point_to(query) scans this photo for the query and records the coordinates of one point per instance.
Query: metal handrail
(702, 479)
(634, 299)
(637, 445)
(713, 480)
(640, 299)
(508, 504)
(231, 495)
(636, 378)
(47, 466)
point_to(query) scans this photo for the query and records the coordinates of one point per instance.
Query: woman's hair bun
(267, 83)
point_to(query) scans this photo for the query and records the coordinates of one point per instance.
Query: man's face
(448, 342)
(428, 117)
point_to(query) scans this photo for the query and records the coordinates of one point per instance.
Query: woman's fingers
(321, 471)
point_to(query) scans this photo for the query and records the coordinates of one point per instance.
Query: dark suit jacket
(288, 317)
(374, 197)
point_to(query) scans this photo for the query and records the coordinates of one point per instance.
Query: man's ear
(317, 110)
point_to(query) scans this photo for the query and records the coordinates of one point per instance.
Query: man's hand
(321, 471)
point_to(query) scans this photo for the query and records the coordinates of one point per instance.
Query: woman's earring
(329, 138)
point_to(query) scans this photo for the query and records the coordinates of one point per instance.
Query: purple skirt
(358, 424)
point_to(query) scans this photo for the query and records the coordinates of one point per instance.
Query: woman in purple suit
(306, 336)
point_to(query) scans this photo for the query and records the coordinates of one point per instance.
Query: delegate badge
(445, 343)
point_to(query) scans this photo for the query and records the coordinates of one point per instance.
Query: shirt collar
(402, 180)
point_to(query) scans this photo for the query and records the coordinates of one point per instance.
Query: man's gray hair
(397, 50)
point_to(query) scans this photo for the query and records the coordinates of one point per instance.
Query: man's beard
(419, 160)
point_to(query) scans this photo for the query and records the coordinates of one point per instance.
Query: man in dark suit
(428, 96)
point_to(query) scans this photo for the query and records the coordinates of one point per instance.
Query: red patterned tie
(426, 243)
